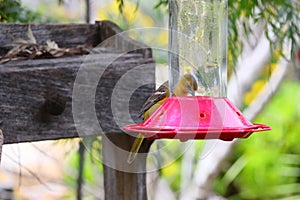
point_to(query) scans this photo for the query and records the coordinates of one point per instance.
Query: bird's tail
(135, 148)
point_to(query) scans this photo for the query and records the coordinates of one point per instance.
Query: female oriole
(186, 85)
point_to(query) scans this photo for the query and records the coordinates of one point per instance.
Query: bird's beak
(191, 91)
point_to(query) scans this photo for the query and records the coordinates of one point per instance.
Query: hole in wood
(55, 104)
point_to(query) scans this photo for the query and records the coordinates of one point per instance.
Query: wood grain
(26, 85)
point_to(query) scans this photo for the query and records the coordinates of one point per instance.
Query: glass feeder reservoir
(198, 44)
(197, 49)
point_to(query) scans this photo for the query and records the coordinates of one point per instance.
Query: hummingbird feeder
(198, 46)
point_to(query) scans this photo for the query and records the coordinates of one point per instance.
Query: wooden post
(131, 178)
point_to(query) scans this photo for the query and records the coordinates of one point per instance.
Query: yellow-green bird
(186, 85)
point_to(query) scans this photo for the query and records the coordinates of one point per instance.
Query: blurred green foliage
(280, 18)
(137, 14)
(172, 172)
(13, 11)
(267, 166)
(93, 173)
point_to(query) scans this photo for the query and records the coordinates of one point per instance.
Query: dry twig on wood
(29, 49)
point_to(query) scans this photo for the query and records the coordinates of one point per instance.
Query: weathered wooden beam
(65, 35)
(27, 87)
(120, 41)
(103, 33)
(131, 178)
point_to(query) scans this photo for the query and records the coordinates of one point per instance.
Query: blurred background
(263, 71)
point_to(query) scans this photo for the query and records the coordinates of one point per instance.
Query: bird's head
(186, 85)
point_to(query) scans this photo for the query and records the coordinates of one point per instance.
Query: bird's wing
(159, 94)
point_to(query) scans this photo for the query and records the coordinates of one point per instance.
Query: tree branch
(268, 91)
(247, 69)
(80, 180)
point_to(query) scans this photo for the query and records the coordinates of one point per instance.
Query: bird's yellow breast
(153, 108)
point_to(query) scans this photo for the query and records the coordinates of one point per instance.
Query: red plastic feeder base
(199, 117)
